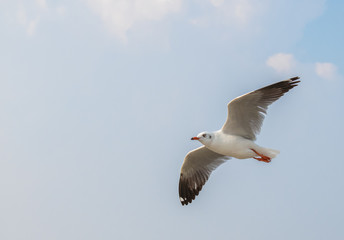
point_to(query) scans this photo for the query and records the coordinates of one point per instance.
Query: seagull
(235, 139)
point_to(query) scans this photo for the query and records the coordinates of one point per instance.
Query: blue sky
(99, 99)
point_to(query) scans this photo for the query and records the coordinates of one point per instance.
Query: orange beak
(194, 138)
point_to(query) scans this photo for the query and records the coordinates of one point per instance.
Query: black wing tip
(188, 199)
(294, 78)
(293, 81)
(283, 87)
(185, 202)
(186, 193)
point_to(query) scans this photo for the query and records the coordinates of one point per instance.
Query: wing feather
(246, 113)
(196, 169)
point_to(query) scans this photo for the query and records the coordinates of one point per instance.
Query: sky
(99, 100)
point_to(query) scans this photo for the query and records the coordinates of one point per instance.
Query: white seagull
(235, 139)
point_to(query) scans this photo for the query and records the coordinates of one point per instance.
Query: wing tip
(184, 201)
(293, 81)
(186, 193)
(294, 78)
(288, 84)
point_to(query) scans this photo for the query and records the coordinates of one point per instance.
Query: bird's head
(204, 137)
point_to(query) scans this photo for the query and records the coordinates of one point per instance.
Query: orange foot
(262, 158)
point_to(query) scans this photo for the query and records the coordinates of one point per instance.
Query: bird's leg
(262, 158)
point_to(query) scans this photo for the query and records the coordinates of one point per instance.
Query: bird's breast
(231, 145)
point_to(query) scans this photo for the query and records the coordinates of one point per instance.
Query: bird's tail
(271, 153)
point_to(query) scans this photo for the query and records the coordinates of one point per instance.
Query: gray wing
(246, 113)
(196, 169)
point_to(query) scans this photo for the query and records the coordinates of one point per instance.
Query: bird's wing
(246, 113)
(196, 169)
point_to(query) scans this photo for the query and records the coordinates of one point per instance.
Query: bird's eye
(204, 135)
(209, 136)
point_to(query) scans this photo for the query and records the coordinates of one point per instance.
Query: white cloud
(237, 14)
(249, 17)
(29, 14)
(326, 70)
(254, 18)
(244, 11)
(41, 3)
(21, 15)
(23, 19)
(121, 15)
(285, 63)
(31, 26)
(282, 62)
(217, 3)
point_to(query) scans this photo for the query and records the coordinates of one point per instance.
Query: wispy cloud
(31, 26)
(249, 16)
(21, 15)
(244, 10)
(31, 13)
(326, 70)
(217, 3)
(41, 3)
(233, 12)
(122, 15)
(282, 62)
(29, 23)
(285, 63)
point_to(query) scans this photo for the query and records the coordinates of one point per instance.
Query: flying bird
(235, 139)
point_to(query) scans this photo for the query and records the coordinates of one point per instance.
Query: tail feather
(271, 153)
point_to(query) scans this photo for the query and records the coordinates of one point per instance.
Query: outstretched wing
(246, 113)
(196, 169)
